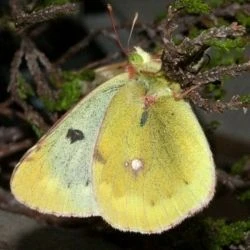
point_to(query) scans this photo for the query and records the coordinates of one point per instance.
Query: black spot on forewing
(144, 118)
(87, 182)
(75, 135)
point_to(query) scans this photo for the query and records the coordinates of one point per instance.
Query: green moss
(207, 234)
(215, 91)
(44, 3)
(70, 91)
(85, 75)
(24, 90)
(194, 32)
(243, 19)
(39, 133)
(192, 6)
(226, 51)
(69, 94)
(222, 234)
(245, 196)
(215, 3)
(245, 99)
(239, 166)
(227, 44)
(160, 17)
(218, 56)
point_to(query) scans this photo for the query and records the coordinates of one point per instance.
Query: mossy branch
(185, 62)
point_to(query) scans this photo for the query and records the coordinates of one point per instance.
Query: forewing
(55, 176)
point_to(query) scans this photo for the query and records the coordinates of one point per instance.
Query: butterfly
(128, 152)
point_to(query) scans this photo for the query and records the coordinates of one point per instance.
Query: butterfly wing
(55, 175)
(152, 166)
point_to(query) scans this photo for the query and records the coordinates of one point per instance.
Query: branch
(15, 147)
(107, 32)
(217, 73)
(232, 182)
(25, 20)
(215, 106)
(190, 47)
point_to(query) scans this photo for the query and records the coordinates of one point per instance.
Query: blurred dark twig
(25, 20)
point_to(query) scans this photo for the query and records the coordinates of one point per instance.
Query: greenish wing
(55, 176)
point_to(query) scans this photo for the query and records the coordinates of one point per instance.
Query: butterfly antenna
(132, 28)
(110, 10)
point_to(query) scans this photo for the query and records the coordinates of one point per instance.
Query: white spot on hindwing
(135, 164)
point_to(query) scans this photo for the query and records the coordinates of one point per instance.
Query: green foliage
(69, 94)
(239, 166)
(245, 196)
(70, 91)
(215, 91)
(160, 17)
(219, 57)
(226, 51)
(208, 234)
(39, 133)
(194, 32)
(243, 19)
(55, 2)
(245, 99)
(215, 3)
(24, 90)
(192, 6)
(222, 234)
(227, 44)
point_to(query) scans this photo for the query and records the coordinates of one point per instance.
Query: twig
(77, 47)
(29, 115)
(191, 47)
(6, 111)
(176, 60)
(232, 9)
(15, 7)
(232, 182)
(12, 148)
(11, 134)
(86, 41)
(103, 61)
(31, 56)
(14, 68)
(218, 73)
(215, 106)
(25, 20)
